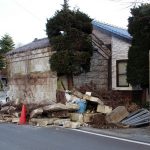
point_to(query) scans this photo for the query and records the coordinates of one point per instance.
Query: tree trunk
(70, 81)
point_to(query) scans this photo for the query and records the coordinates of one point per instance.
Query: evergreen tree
(138, 56)
(6, 44)
(69, 34)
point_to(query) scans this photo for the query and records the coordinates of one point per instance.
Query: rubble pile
(77, 110)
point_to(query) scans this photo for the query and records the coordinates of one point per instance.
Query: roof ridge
(112, 25)
(35, 44)
(115, 30)
(37, 40)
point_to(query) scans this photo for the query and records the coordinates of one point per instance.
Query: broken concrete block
(72, 107)
(55, 107)
(92, 99)
(77, 94)
(16, 114)
(4, 109)
(117, 115)
(11, 110)
(60, 122)
(1, 117)
(104, 109)
(8, 119)
(87, 117)
(36, 112)
(76, 117)
(75, 125)
(15, 120)
(43, 122)
(67, 124)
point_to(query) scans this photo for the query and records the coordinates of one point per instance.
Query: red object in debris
(23, 115)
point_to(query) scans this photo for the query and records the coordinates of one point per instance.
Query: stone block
(60, 122)
(76, 117)
(117, 115)
(16, 114)
(75, 125)
(92, 99)
(15, 120)
(55, 107)
(36, 112)
(67, 124)
(43, 122)
(104, 109)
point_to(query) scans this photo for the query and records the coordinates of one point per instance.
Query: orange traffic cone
(23, 115)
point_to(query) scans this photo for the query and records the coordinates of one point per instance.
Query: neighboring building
(108, 64)
(30, 77)
(119, 40)
(30, 73)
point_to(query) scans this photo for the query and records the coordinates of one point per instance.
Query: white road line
(112, 137)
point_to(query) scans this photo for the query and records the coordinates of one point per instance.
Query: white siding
(119, 52)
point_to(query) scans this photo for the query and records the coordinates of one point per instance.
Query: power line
(27, 10)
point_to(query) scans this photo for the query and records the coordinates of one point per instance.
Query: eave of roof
(113, 30)
(36, 44)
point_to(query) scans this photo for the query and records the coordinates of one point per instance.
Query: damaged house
(109, 61)
(31, 78)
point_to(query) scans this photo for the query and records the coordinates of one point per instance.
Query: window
(122, 73)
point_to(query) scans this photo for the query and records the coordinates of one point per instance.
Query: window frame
(117, 72)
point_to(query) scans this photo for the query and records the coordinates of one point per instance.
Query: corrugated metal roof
(116, 31)
(36, 44)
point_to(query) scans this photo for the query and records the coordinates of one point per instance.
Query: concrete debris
(60, 122)
(117, 115)
(36, 112)
(80, 110)
(104, 109)
(93, 99)
(72, 107)
(76, 117)
(77, 94)
(43, 121)
(55, 107)
(67, 124)
(11, 110)
(58, 114)
(75, 125)
(16, 114)
(15, 120)
(4, 109)
(7, 119)
(70, 124)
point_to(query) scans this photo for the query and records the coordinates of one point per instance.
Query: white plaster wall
(119, 52)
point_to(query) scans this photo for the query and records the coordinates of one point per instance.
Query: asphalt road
(14, 137)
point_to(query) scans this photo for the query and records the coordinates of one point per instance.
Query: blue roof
(116, 31)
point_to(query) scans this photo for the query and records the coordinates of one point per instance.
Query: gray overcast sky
(25, 20)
